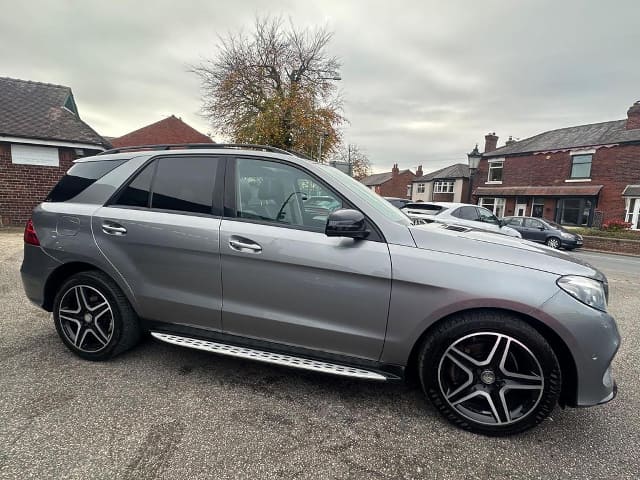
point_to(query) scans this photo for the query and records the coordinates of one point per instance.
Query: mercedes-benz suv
(216, 248)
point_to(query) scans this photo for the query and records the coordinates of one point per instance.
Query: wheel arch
(63, 272)
(567, 364)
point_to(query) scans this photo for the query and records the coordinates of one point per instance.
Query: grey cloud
(423, 81)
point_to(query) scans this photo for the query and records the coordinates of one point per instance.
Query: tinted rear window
(426, 207)
(79, 177)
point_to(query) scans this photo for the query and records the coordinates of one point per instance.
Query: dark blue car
(544, 231)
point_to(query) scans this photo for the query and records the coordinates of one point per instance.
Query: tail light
(30, 236)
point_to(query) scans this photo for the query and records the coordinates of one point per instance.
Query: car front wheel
(93, 317)
(490, 373)
(553, 242)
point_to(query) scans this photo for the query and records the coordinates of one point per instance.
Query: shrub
(616, 225)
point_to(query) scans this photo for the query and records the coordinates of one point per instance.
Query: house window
(496, 205)
(421, 188)
(537, 207)
(574, 211)
(495, 171)
(581, 166)
(443, 186)
(409, 190)
(632, 213)
(34, 155)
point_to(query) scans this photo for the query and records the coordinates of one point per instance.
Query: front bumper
(593, 339)
(571, 243)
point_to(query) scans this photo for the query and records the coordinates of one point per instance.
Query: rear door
(284, 280)
(535, 230)
(161, 232)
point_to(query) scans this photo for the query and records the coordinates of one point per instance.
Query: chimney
(395, 170)
(633, 116)
(511, 141)
(419, 171)
(490, 142)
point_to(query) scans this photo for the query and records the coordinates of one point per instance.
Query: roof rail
(187, 146)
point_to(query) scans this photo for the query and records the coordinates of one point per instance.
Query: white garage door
(34, 155)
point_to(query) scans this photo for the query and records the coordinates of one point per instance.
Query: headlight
(587, 290)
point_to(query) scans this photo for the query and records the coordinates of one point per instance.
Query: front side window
(581, 166)
(443, 186)
(421, 188)
(495, 171)
(496, 205)
(487, 217)
(275, 192)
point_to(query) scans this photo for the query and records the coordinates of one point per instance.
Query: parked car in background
(472, 216)
(397, 202)
(544, 231)
(498, 330)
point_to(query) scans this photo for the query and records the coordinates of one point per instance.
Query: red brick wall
(614, 168)
(397, 186)
(616, 245)
(22, 187)
(443, 197)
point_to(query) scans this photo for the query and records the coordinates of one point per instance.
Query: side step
(268, 357)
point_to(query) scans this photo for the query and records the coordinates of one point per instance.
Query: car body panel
(306, 289)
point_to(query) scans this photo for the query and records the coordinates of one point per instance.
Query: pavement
(165, 412)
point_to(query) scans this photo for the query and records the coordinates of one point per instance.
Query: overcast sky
(423, 81)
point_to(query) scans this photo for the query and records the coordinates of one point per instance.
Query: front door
(521, 209)
(162, 234)
(284, 280)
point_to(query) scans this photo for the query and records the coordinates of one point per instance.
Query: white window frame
(42, 156)
(493, 165)
(443, 186)
(496, 205)
(576, 153)
(632, 215)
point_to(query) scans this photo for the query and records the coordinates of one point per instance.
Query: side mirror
(346, 223)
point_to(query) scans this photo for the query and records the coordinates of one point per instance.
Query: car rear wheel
(490, 373)
(93, 317)
(553, 242)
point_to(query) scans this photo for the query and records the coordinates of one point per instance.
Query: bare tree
(353, 154)
(274, 86)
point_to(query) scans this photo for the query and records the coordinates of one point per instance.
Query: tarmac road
(161, 411)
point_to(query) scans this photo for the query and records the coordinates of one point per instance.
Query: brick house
(169, 130)
(574, 176)
(449, 184)
(396, 183)
(41, 133)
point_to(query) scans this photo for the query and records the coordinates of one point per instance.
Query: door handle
(113, 228)
(244, 245)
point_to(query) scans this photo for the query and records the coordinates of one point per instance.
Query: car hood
(500, 248)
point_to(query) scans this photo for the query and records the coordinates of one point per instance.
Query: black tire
(553, 242)
(436, 369)
(117, 334)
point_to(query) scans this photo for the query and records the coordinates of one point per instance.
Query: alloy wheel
(86, 318)
(490, 378)
(553, 243)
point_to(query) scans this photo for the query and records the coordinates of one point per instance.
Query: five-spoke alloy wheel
(553, 242)
(490, 372)
(93, 317)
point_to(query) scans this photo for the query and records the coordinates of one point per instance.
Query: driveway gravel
(162, 411)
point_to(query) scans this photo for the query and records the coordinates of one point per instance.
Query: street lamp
(473, 158)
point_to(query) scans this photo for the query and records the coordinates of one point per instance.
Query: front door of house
(521, 209)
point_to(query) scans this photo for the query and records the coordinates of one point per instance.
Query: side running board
(269, 357)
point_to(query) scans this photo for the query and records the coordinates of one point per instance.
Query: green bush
(612, 233)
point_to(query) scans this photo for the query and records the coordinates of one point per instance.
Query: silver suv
(216, 248)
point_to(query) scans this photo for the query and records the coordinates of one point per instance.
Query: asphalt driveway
(162, 411)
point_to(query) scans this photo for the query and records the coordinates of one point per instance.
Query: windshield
(366, 195)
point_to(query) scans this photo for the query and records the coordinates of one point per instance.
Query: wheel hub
(488, 377)
(88, 317)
